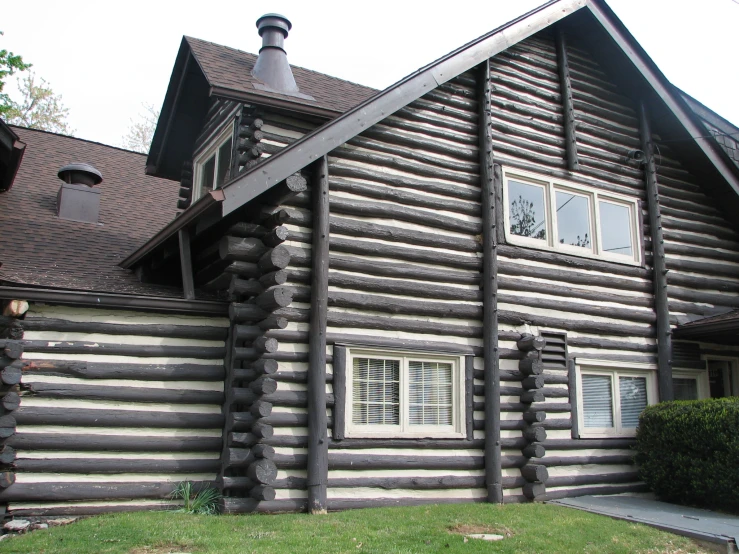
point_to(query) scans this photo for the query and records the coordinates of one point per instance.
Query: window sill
(523, 242)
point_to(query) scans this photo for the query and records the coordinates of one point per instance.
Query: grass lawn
(528, 527)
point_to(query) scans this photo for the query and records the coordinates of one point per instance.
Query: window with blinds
(612, 399)
(391, 395)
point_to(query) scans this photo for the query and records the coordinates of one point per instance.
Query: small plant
(204, 501)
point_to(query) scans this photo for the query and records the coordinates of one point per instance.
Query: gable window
(212, 167)
(392, 394)
(611, 398)
(550, 214)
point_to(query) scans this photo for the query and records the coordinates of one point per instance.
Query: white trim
(614, 370)
(701, 377)
(730, 378)
(550, 186)
(224, 134)
(405, 429)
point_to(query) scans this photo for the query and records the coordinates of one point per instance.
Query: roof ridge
(76, 138)
(291, 65)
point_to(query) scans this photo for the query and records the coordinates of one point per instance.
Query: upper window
(611, 399)
(403, 395)
(557, 215)
(213, 165)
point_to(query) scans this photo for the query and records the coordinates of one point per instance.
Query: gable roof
(591, 18)
(39, 249)
(203, 70)
(11, 155)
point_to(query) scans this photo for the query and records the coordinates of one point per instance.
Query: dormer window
(213, 165)
(551, 214)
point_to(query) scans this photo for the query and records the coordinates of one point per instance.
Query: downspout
(661, 306)
(491, 367)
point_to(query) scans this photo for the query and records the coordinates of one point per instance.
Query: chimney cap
(81, 168)
(274, 20)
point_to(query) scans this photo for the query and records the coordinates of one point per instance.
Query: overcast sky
(107, 58)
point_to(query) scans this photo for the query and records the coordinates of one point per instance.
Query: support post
(664, 332)
(567, 104)
(317, 464)
(188, 286)
(491, 367)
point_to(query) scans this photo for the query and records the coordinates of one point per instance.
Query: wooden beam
(188, 286)
(491, 365)
(567, 103)
(664, 332)
(317, 463)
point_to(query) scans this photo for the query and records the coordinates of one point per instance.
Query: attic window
(551, 214)
(213, 166)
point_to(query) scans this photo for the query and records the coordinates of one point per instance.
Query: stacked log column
(11, 349)
(531, 367)
(248, 144)
(258, 262)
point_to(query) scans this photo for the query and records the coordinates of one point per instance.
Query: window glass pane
(376, 392)
(573, 219)
(685, 389)
(224, 162)
(615, 228)
(430, 393)
(597, 401)
(633, 391)
(527, 211)
(206, 175)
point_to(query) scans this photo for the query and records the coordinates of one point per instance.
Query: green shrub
(196, 501)
(688, 452)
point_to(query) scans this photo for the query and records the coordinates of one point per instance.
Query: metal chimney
(272, 67)
(77, 200)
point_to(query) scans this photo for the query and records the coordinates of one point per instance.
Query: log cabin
(318, 296)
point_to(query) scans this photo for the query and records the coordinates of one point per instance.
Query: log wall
(116, 407)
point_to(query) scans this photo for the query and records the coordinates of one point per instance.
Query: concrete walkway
(698, 524)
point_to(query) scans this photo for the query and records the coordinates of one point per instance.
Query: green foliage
(523, 220)
(39, 108)
(202, 502)
(688, 451)
(418, 529)
(9, 64)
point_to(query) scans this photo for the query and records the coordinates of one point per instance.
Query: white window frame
(733, 370)
(456, 430)
(613, 370)
(228, 132)
(594, 195)
(699, 375)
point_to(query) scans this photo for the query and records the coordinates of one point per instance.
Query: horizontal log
(534, 491)
(273, 278)
(262, 471)
(534, 433)
(602, 490)
(137, 350)
(241, 249)
(535, 472)
(117, 443)
(577, 444)
(7, 454)
(117, 465)
(66, 492)
(10, 401)
(527, 397)
(400, 288)
(531, 365)
(533, 382)
(80, 417)
(244, 287)
(247, 230)
(528, 343)
(12, 349)
(275, 259)
(139, 372)
(129, 394)
(600, 479)
(372, 248)
(587, 326)
(11, 374)
(534, 450)
(404, 271)
(274, 298)
(246, 313)
(608, 459)
(199, 332)
(394, 305)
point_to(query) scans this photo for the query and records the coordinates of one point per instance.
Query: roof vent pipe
(77, 200)
(272, 67)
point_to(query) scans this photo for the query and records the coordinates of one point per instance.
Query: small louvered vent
(687, 355)
(554, 354)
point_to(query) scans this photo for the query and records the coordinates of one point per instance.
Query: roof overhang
(11, 155)
(719, 329)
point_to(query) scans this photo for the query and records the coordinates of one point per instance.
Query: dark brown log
(144, 372)
(80, 417)
(7, 478)
(276, 236)
(261, 492)
(12, 374)
(138, 350)
(116, 465)
(600, 479)
(262, 471)
(233, 505)
(530, 396)
(244, 287)
(263, 385)
(528, 343)
(531, 365)
(244, 229)
(244, 269)
(173, 331)
(120, 443)
(534, 491)
(534, 434)
(265, 366)
(11, 401)
(533, 382)
(274, 278)
(275, 298)
(534, 450)
(273, 322)
(131, 394)
(64, 492)
(613, 459)
(265, 344)
(576, 444)
(534, 416)
(7, 455)
(13, 349)
(246, 313)
(241, 249)
(535, 472)
(275, 259)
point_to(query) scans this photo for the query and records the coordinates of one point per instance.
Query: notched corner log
(527, 343)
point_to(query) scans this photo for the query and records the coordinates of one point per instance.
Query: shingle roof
(230, 69)
(37, 248)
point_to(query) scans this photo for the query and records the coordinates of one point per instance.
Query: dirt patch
(467, 529)
(170, 548)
